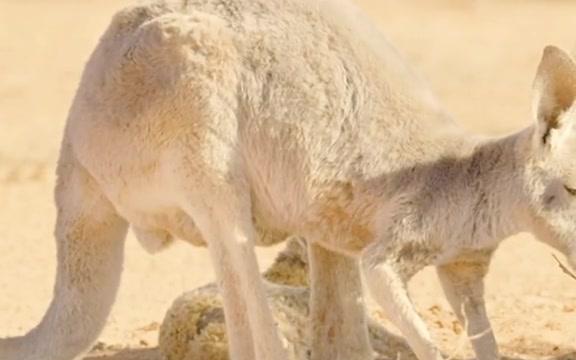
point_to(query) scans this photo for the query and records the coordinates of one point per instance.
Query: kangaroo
(235, 123)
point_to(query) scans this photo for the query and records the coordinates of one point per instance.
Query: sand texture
(479, 56)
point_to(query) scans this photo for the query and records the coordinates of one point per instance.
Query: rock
(194, 327)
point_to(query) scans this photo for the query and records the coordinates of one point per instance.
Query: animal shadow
(127, 354)
(154, 354)
(389, 346)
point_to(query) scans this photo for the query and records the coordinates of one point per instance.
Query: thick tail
(90, 239)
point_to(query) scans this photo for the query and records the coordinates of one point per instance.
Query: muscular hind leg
(227, 227)
(90, 241)
(337, 314)
(217, 199)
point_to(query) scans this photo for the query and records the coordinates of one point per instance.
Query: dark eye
(570, 190)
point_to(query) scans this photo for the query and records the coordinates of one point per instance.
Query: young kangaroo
(234, 123)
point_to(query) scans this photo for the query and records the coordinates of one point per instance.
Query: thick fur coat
(234, 123)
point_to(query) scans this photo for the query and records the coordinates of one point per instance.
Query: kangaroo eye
(570, 190)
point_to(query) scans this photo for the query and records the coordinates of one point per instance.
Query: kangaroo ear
(555, 90)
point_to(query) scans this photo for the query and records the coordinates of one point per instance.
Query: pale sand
(480, 57)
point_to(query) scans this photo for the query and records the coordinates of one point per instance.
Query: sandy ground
(479, 56)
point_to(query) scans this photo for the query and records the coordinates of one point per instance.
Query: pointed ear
(555, 89)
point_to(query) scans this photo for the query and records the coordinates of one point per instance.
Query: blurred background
(480, 58)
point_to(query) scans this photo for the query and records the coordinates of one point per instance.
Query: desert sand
(480, 58)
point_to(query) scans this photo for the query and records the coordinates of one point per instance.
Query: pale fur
(194, 326)
(233, 118)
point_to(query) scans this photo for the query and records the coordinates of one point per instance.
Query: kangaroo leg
(240, 339)
(229, 232)
(338, 318)
(386, 280)
(90, 241)
(464, 287)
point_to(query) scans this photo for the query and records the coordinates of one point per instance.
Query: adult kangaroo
(234, 123)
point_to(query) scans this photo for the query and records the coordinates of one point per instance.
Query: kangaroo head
(551, 171)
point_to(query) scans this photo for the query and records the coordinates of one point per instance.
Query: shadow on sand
(127, 354)
(154, 354)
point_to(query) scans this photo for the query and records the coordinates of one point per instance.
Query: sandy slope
(479, 56)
